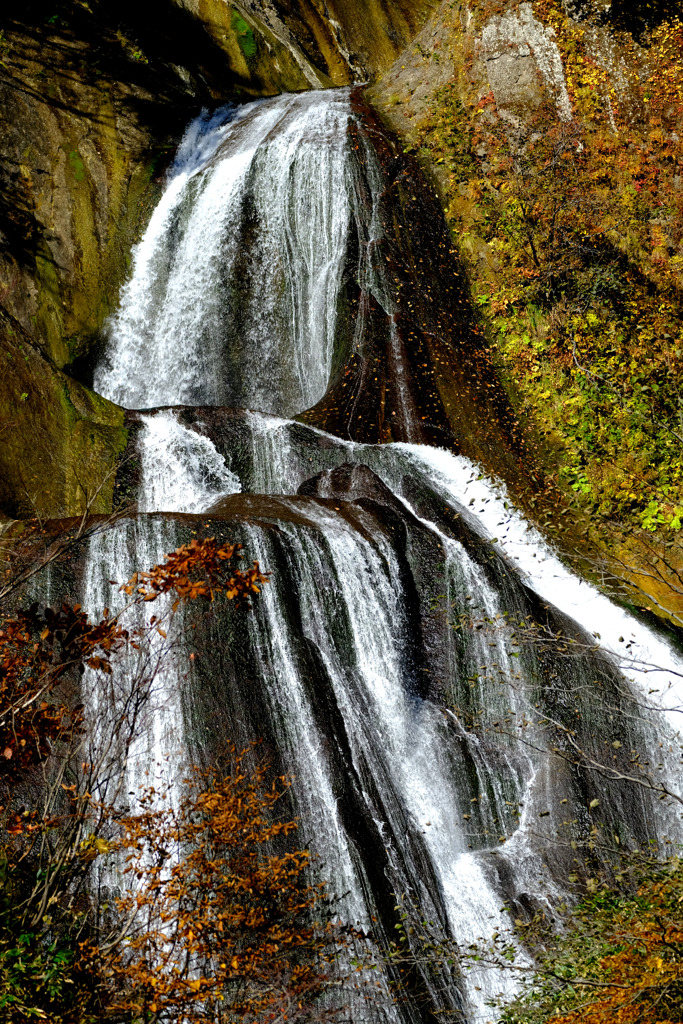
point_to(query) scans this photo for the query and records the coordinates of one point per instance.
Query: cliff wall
(553, 134)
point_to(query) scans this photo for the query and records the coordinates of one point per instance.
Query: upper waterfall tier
(298, 264)
(235, 285)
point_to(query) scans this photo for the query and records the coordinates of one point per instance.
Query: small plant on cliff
(611, 954)
(618, 956)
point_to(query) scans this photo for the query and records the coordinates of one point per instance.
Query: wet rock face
(349, 483)
(421, 373)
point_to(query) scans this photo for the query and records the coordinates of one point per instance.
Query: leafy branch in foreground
(214, 923)
(614, 955)
(60, 783)
(202, 568)
(39, 649)
(618, 957)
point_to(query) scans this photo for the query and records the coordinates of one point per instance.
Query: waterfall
(181, 471)
(639, 650)
(363, 663)
(234, 291)
(399, 741)
(110, 699)
(286, 454)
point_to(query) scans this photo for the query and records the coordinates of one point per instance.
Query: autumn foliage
(571, 221)
(202, 568)
(40, 649)
(618, 959)
(215, 909)
(221, 919)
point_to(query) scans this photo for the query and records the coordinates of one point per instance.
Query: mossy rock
(60, 441)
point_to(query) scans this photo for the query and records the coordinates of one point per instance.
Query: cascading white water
(181, 471)
(640, 651)
(234, 301)
(111, 700)
(233, 296)
(298, 735)
(653, 666)
(484, 502)
(398, 738)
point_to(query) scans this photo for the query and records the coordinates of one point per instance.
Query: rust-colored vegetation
(580, 284)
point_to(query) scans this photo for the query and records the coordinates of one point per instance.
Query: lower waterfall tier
(392, 668)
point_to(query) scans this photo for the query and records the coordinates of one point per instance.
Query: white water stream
(233, 295)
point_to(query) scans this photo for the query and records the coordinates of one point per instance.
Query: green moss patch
(245, 35)
(77, 165)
